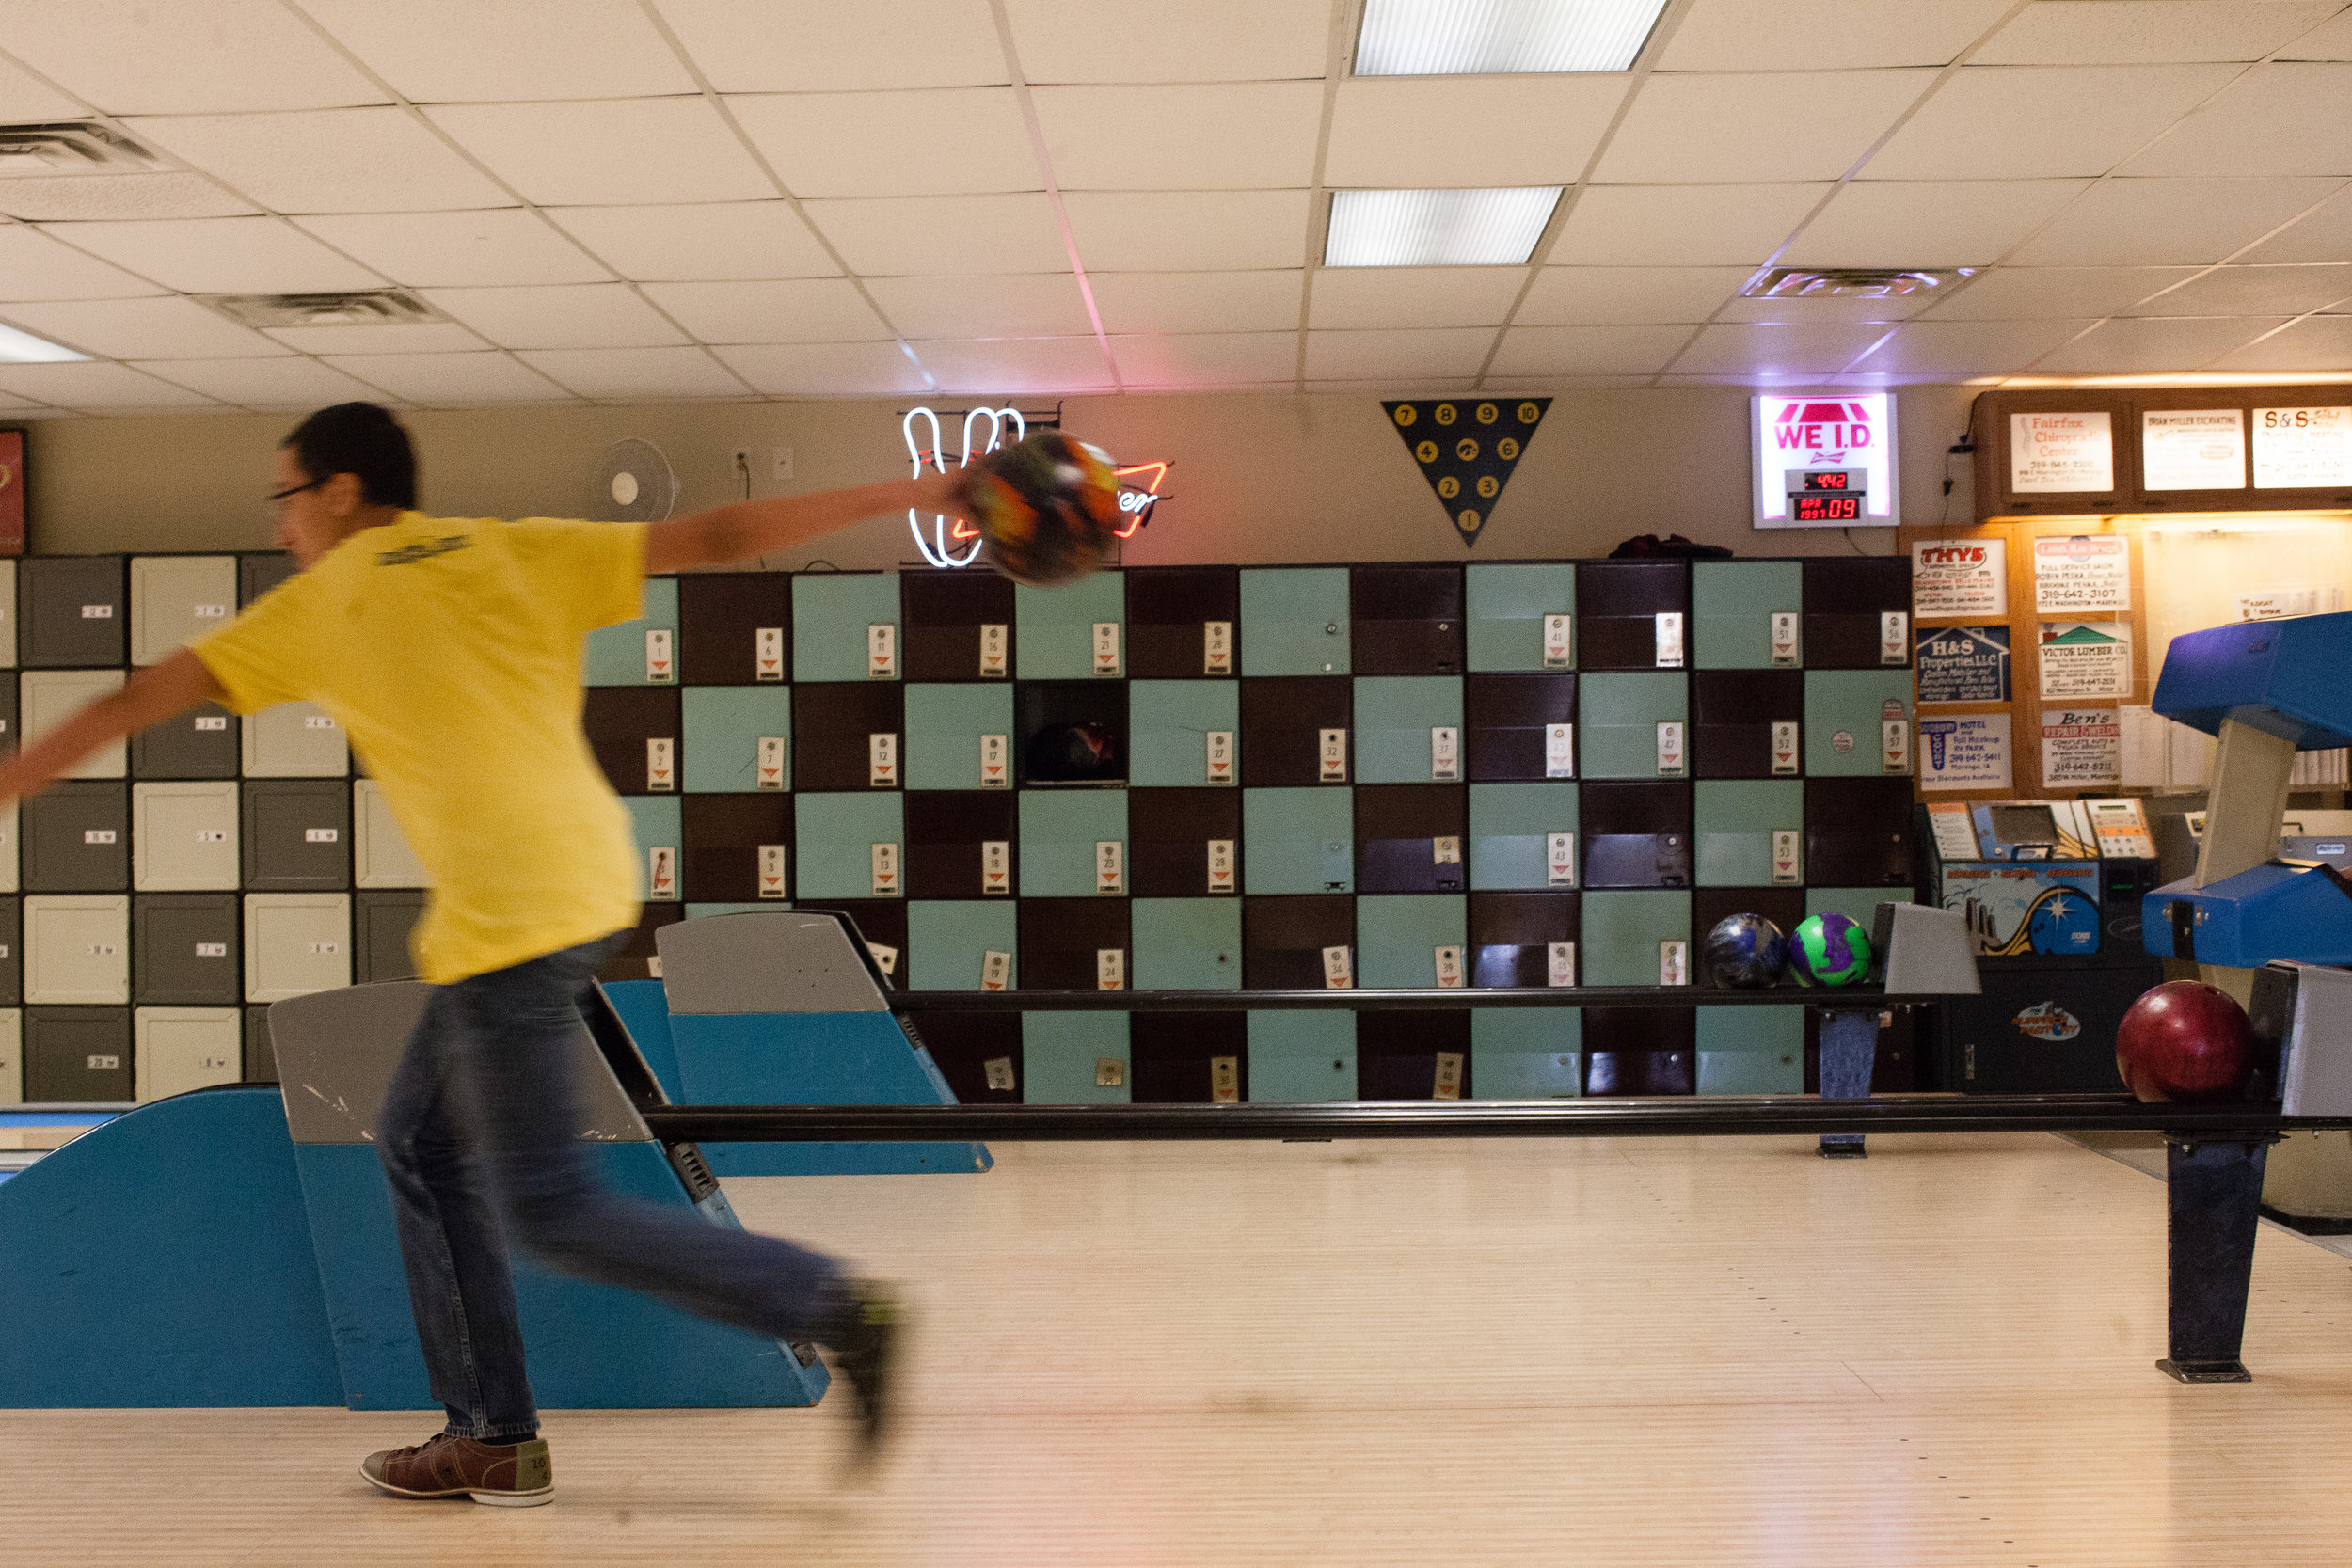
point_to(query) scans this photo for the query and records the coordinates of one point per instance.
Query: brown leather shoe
(511, 1475)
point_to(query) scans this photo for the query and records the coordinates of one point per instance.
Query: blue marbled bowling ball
(1743, 952)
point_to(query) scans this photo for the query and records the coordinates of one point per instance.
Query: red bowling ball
(2184, 1040)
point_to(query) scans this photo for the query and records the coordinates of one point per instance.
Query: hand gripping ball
(1047, 508)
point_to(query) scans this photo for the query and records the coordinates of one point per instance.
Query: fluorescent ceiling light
(23, 348)
(1463, 38)
(1437, 229)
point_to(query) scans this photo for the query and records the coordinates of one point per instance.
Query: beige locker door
(176, 599)
(184, 837)
(7, 847)
(296, 943)
(50, 697)
(294, 740)
(380, 856)
(7, 614)
(11, 1036)
(77, 950)
(179, 1049)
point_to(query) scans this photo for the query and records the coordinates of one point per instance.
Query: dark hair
(359, 439)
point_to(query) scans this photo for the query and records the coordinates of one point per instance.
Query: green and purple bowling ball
(1829, 949)
(1743, 952)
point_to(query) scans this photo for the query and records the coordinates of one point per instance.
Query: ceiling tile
(1581, 296)
(137, 57)
(452, 380)
(1440, 132)
(25, 98)
(1513, 385)
(2332, 42)
(2028, 294)
(796, 310)
(460, 249)
(96, 387)
(2254, 292)
(2153, 346)
(615, 150)
(292, 382)
(1176, 40)
(1139, 302)
(328, 160)
(2168, 222)
(171, 328)
(1789, 35)
(823, 46)
(1745, 349)
(1940, 223)
(1673, 226)
(824, 369)
(2274, 119)
(222, 256)
(939, 141)
(506, 51)
(1239, 135)
(1989, 122)
(1413, 296)
(637, 373)
(1188, 231)
(2313, 343)
(2099, 32)
(572, 315)
(394, 338)
(1448, 351)
(1965, 348)
(916, 235)
(94, 197)
(35, 266)
(722, 239)
(2324, 235)
(1389, 386)
(1696, 129)
(1008, 365)
(1010, 305)
(1206, 359)
(1588, 350)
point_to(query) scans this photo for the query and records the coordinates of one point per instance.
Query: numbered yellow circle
(1487, 485)
(1488, 413)
(1426, 451)
(1507, 449)
(1449, 487)
(1529, 412)
(1468, 520)
(1445, 413)
(1466, 450)
(1405, 415)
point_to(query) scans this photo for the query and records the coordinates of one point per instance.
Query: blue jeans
(477, 1140)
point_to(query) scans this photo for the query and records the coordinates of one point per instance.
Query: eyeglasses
(279, 498)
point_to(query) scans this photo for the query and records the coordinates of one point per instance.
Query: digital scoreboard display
(1806, 508)
(1828, 497)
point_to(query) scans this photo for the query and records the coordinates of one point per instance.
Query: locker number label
(999, 1070)
(1558, 639)
(98, 612)
(1560, 964)
(1670, 757)
(885, 958)
(326, 949)
(1788, 859)
(1783, 746)
(1560, 859)
(1110, 968)
(1225, 1080)
(105, 1064)
(1670, 640)
(1106, 647)
(1674, 963)
(996, 771)
(310, 835)
(318, 721)
(995, 866)
(660, 656)
(995, 970)
(1785, 638)
(996, 649)
(208, 723)
(103, 949)
(1446, 849)
(1333, 752)
(1449, 962)
(771, 867)
(1216, 647)
(98, 836)
(220, 836)
(1449, 1083)
(884, 860)
(1110, 1072)
(1445, 754)
(661, 872)
(1894, 637)
(211, 611)
(1559, 750)
(771, 762)
(1220, 865)
(767, 654)
(1894, 738)
(660, 764)
(1110, 865)
(882, 651)
(1339, 969)
(1219, 749)
(881, 760)
(212, 949)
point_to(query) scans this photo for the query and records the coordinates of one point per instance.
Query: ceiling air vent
(1851, 282)
(365, 308)
(71, 147)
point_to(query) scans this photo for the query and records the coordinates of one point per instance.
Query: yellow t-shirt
(450, 650)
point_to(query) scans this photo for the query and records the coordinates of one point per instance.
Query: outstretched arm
(148, 696)
(742, 530)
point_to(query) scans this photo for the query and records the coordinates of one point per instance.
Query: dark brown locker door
(720, 616)
(1282, 721)
(1507, 717)
(1282, 938)
(1640, 1050)
(636, 960)
(1511, 935)
(1397, 827)
(1634, 834)
(70, 611)
(1169, 608)
(1070, 732)
(945, 830)
(1783, 906)
(1857, 832)
(1171, 1057)
(724, 835)
(258, 574)
(1844, 597)
(1168, 840)
(1406, 620)
(1732, 714)
(1061, 937)
(1617, 606)
(964, 1044)
(1397, 1053)
(881, 923)
(833, 726)
(620, 720)
(945, 611)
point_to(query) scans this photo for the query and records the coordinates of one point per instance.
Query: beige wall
(1256, 477)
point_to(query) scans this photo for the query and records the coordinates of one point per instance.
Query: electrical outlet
(783, 463)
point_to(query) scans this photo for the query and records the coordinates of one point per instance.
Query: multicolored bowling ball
(1743, 952)
(2184, 1040)
(1047, 508)
(1828, 949)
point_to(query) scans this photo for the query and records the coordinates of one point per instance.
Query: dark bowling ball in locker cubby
(1744, 952)
(2184, 1040)
(1047, 508)
(1072, 753)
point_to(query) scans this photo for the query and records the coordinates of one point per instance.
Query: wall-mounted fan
(634, 483)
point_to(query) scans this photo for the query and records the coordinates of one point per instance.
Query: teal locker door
(1167, 727)
(831, 618)
(723, 727)
(1623, 929)
(1734, 821)
(1298, 1058)
(1618, 714)
(1506, 605)
(1065, 1058)
(1527, 1054)
(1860, 904)
(1059, 830)
(1397, 937)
(1297, 841)
(1186, 943)
(617, 654)
(1054, 627)
(1394, 716)
(835, 838)
(1844, 711)
(1294, 621)
(949, 943)
(1732, 606)
(944, 728)
(658, 823)
(1510, 826)
(1751, 1049)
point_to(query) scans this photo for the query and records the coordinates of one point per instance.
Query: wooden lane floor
(1639, 1352)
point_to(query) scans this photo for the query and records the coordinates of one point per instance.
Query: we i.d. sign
(1824, 460)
